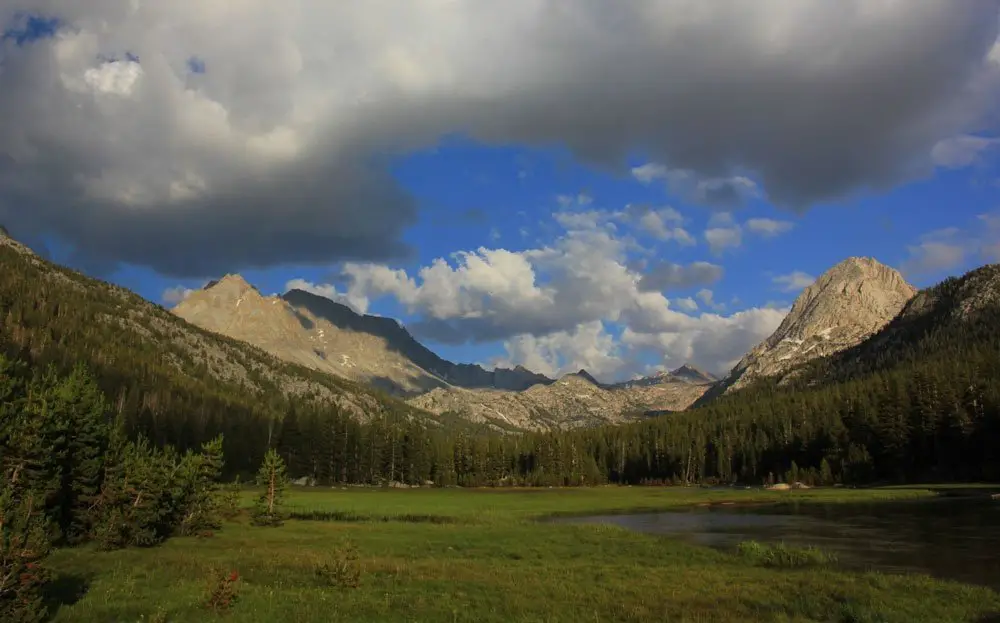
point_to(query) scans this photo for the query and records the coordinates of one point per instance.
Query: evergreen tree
(268, 509)
(24, 545)
(198, 497)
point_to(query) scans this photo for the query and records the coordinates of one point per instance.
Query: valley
(428, 488)
(483, 555)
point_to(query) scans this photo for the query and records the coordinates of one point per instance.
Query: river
(952, 538)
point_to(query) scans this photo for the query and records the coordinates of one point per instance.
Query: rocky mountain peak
(848, 303)
(585, 376)
(232, 282)
(693, 374)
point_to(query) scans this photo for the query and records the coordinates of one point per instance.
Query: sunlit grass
(485, 559)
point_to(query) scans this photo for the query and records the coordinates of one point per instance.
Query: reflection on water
(950, 538)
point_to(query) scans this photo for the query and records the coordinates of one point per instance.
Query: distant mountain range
(846, 305)
(857, 317)
(327, 336)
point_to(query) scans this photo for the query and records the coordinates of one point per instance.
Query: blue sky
(622, 188)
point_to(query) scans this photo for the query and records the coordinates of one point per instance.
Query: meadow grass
(485, 558)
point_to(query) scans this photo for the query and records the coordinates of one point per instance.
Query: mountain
(692, 374)
(575, 400)
(847, 304)
(165, 371)
(944, 320)
(330, 337)
(686, 373)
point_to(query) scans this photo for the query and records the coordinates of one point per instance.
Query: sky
(558, 184)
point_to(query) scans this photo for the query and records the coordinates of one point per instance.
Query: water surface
(949, 538)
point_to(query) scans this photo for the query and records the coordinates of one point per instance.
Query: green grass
(782, 555)
(485, 559)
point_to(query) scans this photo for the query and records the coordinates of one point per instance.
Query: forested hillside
(164, 377)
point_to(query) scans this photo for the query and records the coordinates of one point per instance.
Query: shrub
(342, 569)
(223, 590)
(231, 498)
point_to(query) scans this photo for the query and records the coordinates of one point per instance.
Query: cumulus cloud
(793, 281)
(357, 303)
(721, 239)
(587, 346)
(707, 298)
(945, 250)
(554, 306)
(722, 192)
(664, 224)
(714, 342)
(273, 147)
(670, 276)
(686, 304)
(962, 151)
(175, 295)
(768, 227)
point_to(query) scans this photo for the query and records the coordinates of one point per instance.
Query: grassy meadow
(481, 555)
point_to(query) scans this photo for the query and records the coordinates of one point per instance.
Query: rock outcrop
(846, 305)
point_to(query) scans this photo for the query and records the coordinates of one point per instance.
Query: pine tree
(268, 509)
(198, 489)
(23, 547)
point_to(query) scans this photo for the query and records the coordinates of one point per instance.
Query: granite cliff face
(575, 400)
(324, 335)
(846, 305)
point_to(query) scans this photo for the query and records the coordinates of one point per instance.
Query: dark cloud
(275, 148)
(667, 276)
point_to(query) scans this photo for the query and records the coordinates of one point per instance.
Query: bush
(223, 590)
(342, 569)
(232, 497)
(781, 555)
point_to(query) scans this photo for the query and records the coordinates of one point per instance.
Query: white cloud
(664, 224)
(282, 140)
(707, 298)
(961, 151)
(587, 346)
(670, 276)
(714, 342)
(686, 304)
(768, 227)
(358, 303)
(650, 172)
(793, 281)
(946, 250)
(114, 77)
(553, 305)
(721, 239)
(175, 295)
(723, 192)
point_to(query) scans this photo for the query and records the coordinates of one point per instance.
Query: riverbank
(479, 555)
